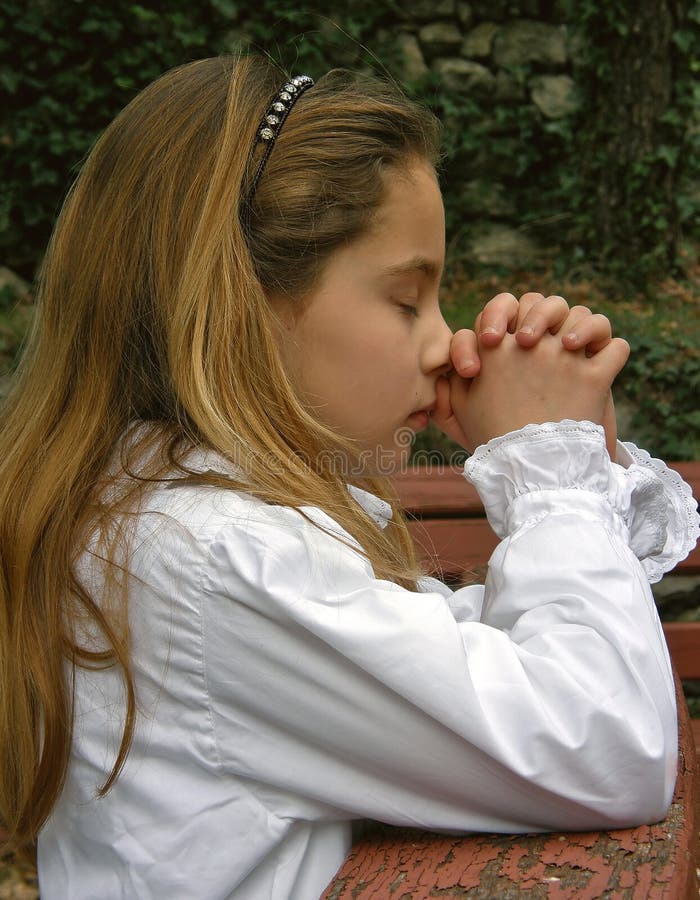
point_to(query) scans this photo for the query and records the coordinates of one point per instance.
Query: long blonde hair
(152, 308)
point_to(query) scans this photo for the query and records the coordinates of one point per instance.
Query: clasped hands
(529, 361)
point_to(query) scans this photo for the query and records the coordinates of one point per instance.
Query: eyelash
(409, 309)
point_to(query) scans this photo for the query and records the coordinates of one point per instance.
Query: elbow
(644, 795)
(648, 780)
(637, 786)
(621, 777)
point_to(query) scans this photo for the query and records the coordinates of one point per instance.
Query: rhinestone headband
(273, 120)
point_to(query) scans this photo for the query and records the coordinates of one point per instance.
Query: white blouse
(284, 690)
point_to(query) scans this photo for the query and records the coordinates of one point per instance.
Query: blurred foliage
(654, 191)
(66, 69)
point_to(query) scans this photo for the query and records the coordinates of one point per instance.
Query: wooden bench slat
(445, 492)
(460, 545)
(683, 639)
(432, 490)
(468, 543)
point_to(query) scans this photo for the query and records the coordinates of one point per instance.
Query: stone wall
(524, 96)
(497, 53)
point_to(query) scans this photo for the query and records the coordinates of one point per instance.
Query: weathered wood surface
(683, 639)
(448, 518)
(652, 862)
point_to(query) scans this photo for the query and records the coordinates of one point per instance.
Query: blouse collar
(377, 509)
(374, 506)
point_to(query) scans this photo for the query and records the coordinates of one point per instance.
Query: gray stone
(478, 43)
(503, 246)
(486, 197)
(413, 64)
(554, 95)
(440, 38)
(465, 76)
(464, 14)
(524, 41)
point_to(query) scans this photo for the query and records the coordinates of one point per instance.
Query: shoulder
(230, 523)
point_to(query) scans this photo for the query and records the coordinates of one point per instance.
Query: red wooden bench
(655, 861)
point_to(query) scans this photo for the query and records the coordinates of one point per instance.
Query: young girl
(217, 647)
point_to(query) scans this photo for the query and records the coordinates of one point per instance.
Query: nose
(436, 350)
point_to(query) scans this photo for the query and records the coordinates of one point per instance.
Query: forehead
(408, 230)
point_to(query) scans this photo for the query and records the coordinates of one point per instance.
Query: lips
(418, 421)
(428, 410)
(420, 418)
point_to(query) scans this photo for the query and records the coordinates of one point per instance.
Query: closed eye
(409, 309)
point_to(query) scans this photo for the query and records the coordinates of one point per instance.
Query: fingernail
(466, 363)
(527, 329)
(489, 330)
(572, 337)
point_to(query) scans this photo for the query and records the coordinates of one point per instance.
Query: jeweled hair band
(273, 120)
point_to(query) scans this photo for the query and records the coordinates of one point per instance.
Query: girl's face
(371, 342)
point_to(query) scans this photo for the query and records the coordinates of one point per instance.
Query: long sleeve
(554, 709)
(284, 690)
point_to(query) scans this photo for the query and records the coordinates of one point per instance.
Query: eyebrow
(416, 264)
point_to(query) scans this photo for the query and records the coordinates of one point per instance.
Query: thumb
(612, 358)
(443, 415)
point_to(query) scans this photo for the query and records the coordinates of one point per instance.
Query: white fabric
(284, 691)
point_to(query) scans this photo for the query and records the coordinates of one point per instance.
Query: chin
(390, 454)
(394, 460)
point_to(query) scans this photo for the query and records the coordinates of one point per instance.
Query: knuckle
(502, 298)
(556, 300)
(531, 297)
(623, 346)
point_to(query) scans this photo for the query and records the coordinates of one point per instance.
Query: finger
(443, 415)
(612, 358)
(592, 332)
(464, 353)
(577, 314)
(442, 410)
(549, 314)
(496, 318)
(525, 304)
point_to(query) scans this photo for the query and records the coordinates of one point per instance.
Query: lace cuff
(664, 521)
(646, 502)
